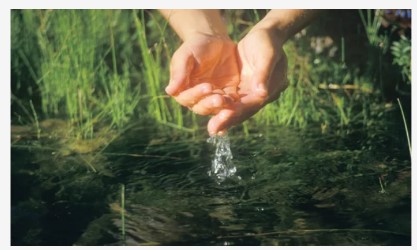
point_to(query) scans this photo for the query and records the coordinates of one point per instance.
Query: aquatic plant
(405, 125)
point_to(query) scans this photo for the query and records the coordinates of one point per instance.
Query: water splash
(222, 165)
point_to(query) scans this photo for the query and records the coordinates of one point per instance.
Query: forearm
(286, 23)
(188, 23)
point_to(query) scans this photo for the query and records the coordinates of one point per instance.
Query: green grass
(372, 22)
(84, 72)
(405, 125)
(103, 68)
(69, 44)
(401, 50)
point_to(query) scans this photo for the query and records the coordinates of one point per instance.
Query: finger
(182, 63)
(232, 92)
(262, 74)
(212, 104)
(223, 121)
(279, 79)
(234, 114)
(193, 95)
(209, 105)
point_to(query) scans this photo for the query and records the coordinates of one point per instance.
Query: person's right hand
(204, 74)
(263, 76)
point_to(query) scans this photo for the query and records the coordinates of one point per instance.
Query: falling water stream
(222, 165)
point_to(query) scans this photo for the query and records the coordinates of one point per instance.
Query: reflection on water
(294, 188)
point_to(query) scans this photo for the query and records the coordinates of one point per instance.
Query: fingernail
(222, 133)
(169, 89)
(212, 133)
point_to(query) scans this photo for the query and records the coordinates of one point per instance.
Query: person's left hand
(263, 69)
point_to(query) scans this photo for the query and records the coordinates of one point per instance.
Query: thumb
(222, 121)
(262, 74)
(182, 63)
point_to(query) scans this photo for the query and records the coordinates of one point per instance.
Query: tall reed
(104, 67)
(155, 71)
(76, 79)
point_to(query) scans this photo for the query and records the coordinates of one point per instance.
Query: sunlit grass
(103, 68)
(155, 71)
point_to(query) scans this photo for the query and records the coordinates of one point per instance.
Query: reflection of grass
(35, 116)
(122, 213)
(284, 172)
(317, 231)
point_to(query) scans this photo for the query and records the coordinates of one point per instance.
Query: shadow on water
(290, 188)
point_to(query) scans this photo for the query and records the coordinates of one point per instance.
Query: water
(283, 187)
(222, 166)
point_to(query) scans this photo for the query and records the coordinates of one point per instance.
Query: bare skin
(262, 79)
(211, 75)
(204, 72)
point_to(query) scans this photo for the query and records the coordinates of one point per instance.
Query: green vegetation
(122, 212)
(101, 69)
(405, 125)
(102, 156)
(372, 23)
(401, 50)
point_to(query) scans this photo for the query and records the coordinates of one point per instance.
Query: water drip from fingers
(222, 166)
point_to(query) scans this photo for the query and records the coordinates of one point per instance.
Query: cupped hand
(263, 69)
(204, 74)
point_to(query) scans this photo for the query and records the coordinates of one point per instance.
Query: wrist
(273, 27)
(189, 23)
(277, 36)
(285, 23)
(193, 34)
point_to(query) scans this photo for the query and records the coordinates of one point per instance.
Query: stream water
(283, 187)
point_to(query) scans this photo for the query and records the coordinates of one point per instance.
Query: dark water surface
(290, 188)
